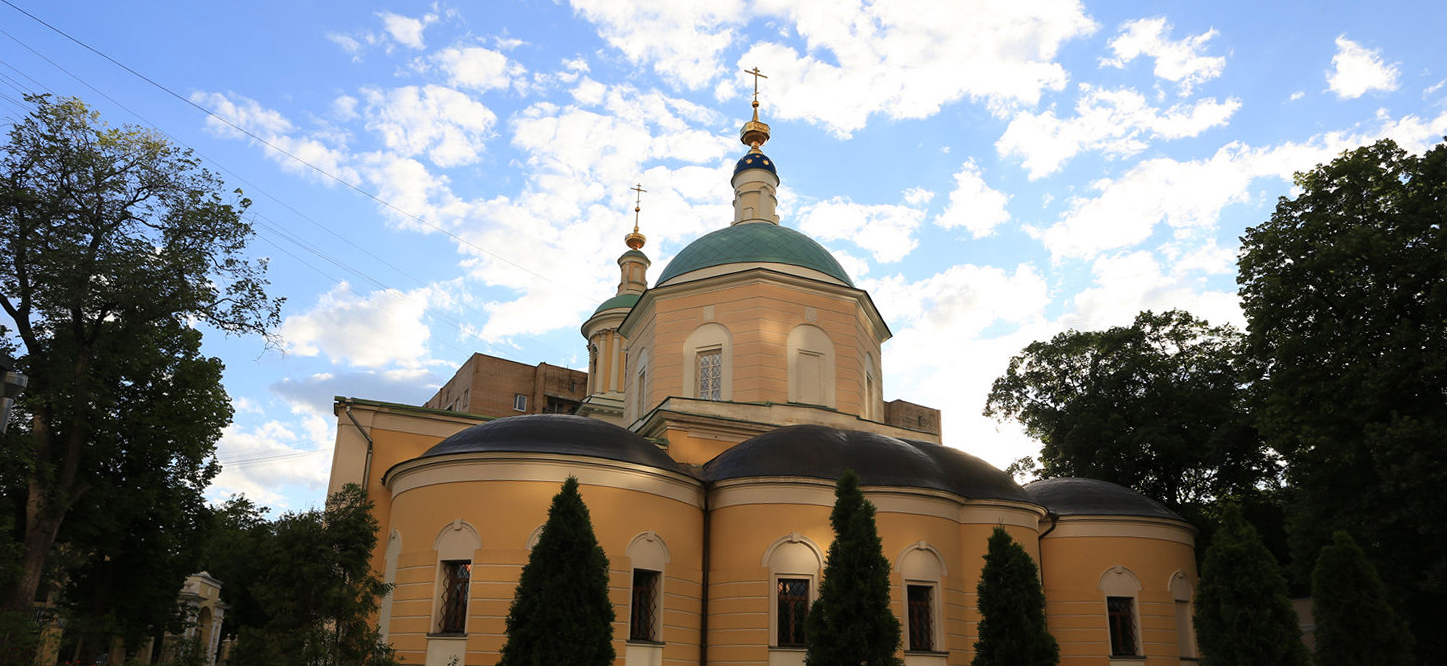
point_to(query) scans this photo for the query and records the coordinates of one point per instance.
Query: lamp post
(14, 384)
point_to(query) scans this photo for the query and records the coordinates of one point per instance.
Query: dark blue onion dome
(1089, 497)
(880, 460)
(558, 434)
(755, 160)
(756, 242)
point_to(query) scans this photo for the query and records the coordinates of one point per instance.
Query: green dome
(619, 301)
(755, 242)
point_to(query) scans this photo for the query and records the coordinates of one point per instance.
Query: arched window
(638, 392)
(872, 392)
(708, 361)
(794, 562)
(921, 569)
(1121, 588)
(389, 576)
(648, 555)
(1185, 631)
(456, 545)
(811, 366)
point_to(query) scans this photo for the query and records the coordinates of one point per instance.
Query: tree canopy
(314, 588)
(1156, 406)
(1345, 295)
(851, 623)
(560, 613)
(114, 247)
(1012, 630)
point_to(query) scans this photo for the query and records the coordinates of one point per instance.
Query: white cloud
(1118, 122)
(907, 58)
(477, 68)
(1127, 283)
(1189, 196)
(1179, 61)
(681, 39)
(884, 230)
(406, 30)
(263, 462)
(954, 332)
(445, 124)
(903, 58)
(973, 204)
(380, 329)
(1357, 70)
(326, 151)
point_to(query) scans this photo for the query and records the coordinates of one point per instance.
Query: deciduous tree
(114, 245)
(851, 623)
(1344, 291)
(1012, 609)
(560, 613)
(1156, 406)
(317, 591)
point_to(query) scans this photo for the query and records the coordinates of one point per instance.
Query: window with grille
(793, 596)
(456, 574)
(710, 374)
(643, 621)
(921, 617)
(1121, 611)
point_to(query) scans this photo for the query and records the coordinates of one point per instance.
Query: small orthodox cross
(757, 76)
(637, 203)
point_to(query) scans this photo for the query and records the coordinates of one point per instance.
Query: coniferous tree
(561, 614)
(1243, 615)
(1012, 609)
(851, 623)
(1355, 626)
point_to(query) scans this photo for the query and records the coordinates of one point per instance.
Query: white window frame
(1119, 581)
(708, 338)
(519, 402)
(791, 556)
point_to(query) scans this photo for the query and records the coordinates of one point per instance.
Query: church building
(720, 406)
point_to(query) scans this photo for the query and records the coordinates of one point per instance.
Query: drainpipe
(367, 467)
(703, 600)
(1054, 522)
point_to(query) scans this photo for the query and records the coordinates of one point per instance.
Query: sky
(434, 179)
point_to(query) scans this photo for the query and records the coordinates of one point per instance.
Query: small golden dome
(754, 133)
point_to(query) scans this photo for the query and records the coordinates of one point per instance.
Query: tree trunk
(42, 524)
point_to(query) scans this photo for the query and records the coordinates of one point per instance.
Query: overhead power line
(281, 150)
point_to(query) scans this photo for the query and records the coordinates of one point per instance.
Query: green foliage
(560, 613)
(1243, 615)
(1355, 626)
(235, 532)
(317, 589)
(1155, 406)
(115, 244)
(1012, 609)
(1344, 291)
(851, 623)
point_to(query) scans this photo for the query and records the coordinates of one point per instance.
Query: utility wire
(447, 319)
(278, 149)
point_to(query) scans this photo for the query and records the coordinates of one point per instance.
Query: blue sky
(992, 172)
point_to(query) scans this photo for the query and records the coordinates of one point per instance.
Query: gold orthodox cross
(757, 75)
(637, 204)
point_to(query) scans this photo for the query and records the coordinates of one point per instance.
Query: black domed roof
(825, 453)
(555, 433)
(1089, 497)
(754, 160)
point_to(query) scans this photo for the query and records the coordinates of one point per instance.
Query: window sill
(452, 635)
(639, 641)
(787, 648)
(928, 653)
